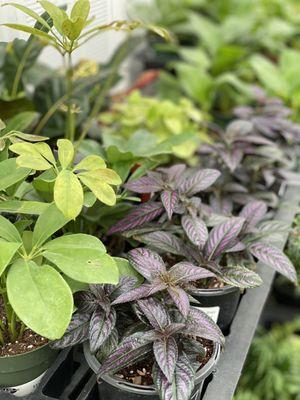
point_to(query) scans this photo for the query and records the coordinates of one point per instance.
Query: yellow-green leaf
(104, 175)
(29, 12)
(32, 31)
(57, 14)
(90, 163)
(73, 29)
(40, 297)
(80, 9)
(65, 152)
(45, 150)
(101, 190)
(68, 194)
(30, 156)
(7, 251)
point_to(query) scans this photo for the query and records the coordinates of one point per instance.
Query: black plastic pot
(286, 293)
(117, 389)
(220, 304)
(20, 370)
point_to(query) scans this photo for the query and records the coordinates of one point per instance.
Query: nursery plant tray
(225, 379)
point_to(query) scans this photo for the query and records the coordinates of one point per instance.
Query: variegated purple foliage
(209, 249)
(256, 150)
(173, 191)
(256, 237)
(172, 343)
(159, 278)
(95, 318)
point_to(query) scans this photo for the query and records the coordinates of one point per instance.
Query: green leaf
(8, 231)
(30, 156)
(76, 286)
(32, 31)
(49, 222)
(23, 207)
(101, 190)
(21, 121)
(40, 297)
(68, 194)
(80, 9)
(82, 257)
(28, 137)
(104, 174)
(65, 152)
(7, 251)
(57, 14)
(125, 269)
(90, 163)
(73, 29)
(10, 173)
(270, 75)
(29, 12)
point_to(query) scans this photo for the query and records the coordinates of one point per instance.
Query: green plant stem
(100, 100)
(20, 69)
(70, 126)
(55, 106)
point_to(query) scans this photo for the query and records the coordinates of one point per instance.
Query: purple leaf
(110, 344)
(241, 277)
(181, 299)
(146, 184)
(239, 246)
(166, 355)
(163, 241)
(169, 200)
(253, 212)
(201, 325)
(101, 326)
(77, 332)
(183, 383)
(173, 173)
(126, 283)
(185, 272)
(232, 158)
(130, 350)
(239, 128)
(196, 230)
(199, 181)
(275, 258)
(148, 263)
(221, 205)
(141, 292)
(223, 237)
(138, 216)
(155, 312)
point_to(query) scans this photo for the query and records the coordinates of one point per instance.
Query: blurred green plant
(272, 368)
(168, 122)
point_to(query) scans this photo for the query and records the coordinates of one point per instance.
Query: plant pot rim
(215, 291)
(15, 356)
(94, 364)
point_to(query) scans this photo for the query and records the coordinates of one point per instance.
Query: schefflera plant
(71, 184)
(172, 341)
(37, 272)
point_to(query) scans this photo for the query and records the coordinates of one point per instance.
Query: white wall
(99, 49)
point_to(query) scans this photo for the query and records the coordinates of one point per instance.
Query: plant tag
(25, 389)
(212, 312)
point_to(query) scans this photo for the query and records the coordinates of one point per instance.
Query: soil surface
(210, 283)
(28, 342)
(141, 372)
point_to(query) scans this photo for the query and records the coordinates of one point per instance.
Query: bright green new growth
(32, 269)
(71, 181)
(164, 118)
